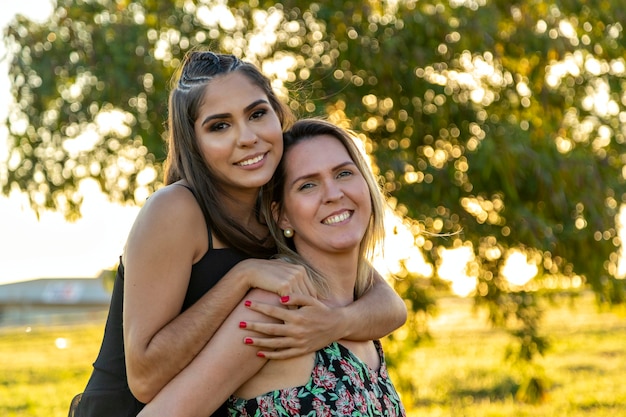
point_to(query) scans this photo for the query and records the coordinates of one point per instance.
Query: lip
(344, 212)
(258, 158)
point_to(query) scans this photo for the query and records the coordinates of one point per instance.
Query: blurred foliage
(501, 123)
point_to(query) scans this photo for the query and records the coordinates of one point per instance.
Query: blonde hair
(273, 192)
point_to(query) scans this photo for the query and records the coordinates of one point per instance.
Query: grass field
(460, 373)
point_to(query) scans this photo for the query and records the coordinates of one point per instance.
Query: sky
(50, 247)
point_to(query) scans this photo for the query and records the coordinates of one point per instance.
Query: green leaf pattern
(340, 385)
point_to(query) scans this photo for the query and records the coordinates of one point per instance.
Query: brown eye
(218, 126)
(258, 113)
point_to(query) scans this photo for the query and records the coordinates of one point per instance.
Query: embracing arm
(164, 242)
(222, 366)
(154, 357)
(314, 325)
(377, 313)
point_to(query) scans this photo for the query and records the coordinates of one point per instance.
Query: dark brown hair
(184, 159)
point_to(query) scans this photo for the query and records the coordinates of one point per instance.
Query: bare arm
(220, 368)
(165, 241)
(379, 312)
(314, 325)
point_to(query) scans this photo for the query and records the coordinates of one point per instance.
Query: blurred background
(496, 128)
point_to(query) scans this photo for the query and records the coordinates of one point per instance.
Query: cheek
(212, 150)
(299, 211)
(272, 127)
(278, 139)
(366, 198)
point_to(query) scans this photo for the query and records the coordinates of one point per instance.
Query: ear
(279, 217)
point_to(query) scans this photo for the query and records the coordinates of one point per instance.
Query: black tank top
(107, 392)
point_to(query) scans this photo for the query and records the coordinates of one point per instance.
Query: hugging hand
(277, 276)
(307, 328)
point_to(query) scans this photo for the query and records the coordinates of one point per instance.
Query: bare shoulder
(172, 204)
(173, 217)
(171, 197)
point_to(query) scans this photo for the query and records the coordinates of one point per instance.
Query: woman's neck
(243, 209)
(340, 272)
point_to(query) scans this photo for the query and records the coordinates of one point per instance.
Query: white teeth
(337, 219)
(250, 161)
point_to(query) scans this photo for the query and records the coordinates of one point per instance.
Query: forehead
(229, 92)
(315, 154)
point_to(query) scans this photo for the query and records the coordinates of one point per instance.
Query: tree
(502, 124)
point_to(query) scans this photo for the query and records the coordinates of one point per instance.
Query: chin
(346, 246)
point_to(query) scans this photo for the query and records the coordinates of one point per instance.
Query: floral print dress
(340, 385)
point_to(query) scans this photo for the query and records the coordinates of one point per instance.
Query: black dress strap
(208, 229)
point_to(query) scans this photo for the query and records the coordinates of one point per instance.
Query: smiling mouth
(251, 161)
(337, 218)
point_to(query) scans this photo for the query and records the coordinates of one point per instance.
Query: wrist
(239, 278)
(343, 322)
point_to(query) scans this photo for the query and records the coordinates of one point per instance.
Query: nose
(247, 136)
(332, 191)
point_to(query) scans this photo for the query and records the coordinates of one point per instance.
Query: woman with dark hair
(199, 245)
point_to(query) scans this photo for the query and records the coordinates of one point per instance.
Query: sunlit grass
(460, 372)
(37, 378)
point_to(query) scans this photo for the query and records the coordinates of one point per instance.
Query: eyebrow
(225, 115)
(305, 176)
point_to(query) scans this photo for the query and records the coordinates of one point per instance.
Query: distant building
(49, 301)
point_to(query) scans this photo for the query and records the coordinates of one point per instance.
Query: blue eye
(305, 186)
(345, 173)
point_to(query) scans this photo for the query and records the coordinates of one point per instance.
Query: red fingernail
(247, 303)
(247, 341)
(260, 354)
(242, 324)
(284, 298)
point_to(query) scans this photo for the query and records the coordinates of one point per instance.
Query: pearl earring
(288, 232)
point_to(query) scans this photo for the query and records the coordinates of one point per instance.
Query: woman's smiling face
(239, 133)
(326, 199)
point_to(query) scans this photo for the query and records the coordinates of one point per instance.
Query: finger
(294, 279)
(274, 343)
(277, 312)
(267, 329)
(281, 354)
(303, 284)
(311, 289)
(300, 300)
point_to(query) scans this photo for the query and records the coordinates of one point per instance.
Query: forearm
(177, 344)
(155, 361)
(377, 313)
(221, 367)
